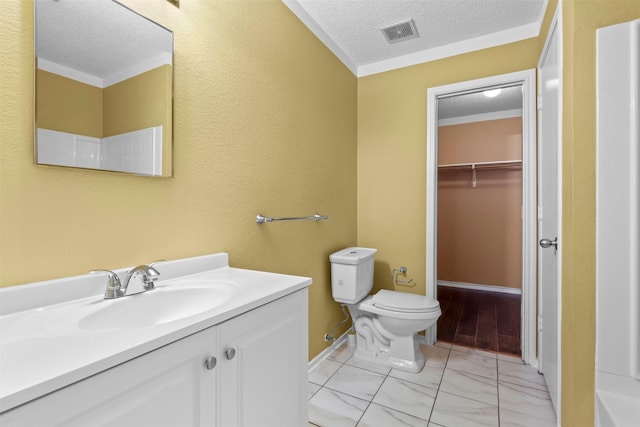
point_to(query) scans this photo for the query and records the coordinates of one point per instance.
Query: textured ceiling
(97, 37)
(351, 28)
(100, 37)
(509, 98)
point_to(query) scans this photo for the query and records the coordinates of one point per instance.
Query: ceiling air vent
(401, 31)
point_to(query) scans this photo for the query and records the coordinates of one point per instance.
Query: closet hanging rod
(317, 217)
(476, 165)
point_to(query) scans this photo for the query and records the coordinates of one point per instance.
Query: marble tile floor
(458, 387)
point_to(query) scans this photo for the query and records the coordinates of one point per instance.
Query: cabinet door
(167, 387)
(263, 366)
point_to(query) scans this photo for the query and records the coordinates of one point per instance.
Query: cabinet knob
(210, 363)
(230, 353)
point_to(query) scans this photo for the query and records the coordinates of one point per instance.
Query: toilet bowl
(387, 323)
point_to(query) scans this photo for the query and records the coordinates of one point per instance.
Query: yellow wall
(264, 122)
(141, 102)
(581, 19)
(392, 135)
(66, 105)
(392, 172)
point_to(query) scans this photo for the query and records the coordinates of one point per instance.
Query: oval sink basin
(155, 307)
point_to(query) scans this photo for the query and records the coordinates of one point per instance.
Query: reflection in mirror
(103, 88)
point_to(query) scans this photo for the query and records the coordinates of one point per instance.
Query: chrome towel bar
(262, 219)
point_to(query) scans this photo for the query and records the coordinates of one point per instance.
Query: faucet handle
(153, 274)
(114, 287)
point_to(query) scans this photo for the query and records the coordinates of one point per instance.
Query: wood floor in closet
(486, 320)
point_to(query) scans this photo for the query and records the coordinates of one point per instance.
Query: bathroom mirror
(104, 82)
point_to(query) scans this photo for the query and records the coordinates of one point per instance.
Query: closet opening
(481, 213)
(479, 199)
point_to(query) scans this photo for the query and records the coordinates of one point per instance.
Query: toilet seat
(404, 302)
(413, 307)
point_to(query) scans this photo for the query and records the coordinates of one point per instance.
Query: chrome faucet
(115, 289)
(149, 276)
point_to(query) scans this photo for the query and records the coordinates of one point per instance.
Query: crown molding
(483, 42)
(117, 77)
(312, 25)
(362, 70)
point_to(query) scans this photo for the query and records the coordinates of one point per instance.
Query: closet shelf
(482, 165)
(474, 167)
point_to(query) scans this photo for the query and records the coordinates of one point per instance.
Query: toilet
(387, 323)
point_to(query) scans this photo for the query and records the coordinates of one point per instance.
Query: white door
(263, 366)
(548, 214)
(168, 387)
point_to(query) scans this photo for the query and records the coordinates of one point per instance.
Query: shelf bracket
(474, 182)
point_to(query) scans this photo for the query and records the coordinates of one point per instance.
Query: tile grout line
(477, 375)
(327, 380)
(437, 389)
(435, 398)
(372, 397)
(408, 381)
(351, 395)
(509, 382)
(374, 394)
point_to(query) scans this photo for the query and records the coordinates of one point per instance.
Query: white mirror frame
(527, 78)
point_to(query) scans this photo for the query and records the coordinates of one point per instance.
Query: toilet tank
(351, 274)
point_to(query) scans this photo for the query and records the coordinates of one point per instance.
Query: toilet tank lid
(352, 256)
(403, 301)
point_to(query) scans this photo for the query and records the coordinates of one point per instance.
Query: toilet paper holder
(397, 281)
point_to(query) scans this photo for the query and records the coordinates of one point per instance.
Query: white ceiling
(101, 37)
(101, 40)
(477, 105)
(351, 28)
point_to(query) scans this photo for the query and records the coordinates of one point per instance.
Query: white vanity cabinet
(166, 387)
(262, 380)
(259, 379)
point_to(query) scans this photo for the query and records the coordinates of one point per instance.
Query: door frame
(556, 28)
(527, 79)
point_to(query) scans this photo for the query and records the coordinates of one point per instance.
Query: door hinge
(539, 213)
(540, 324)
(539, 102)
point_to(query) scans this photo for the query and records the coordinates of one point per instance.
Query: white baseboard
(327, 351)
(477, 287)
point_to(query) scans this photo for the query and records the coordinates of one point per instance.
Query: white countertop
(42, 348)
